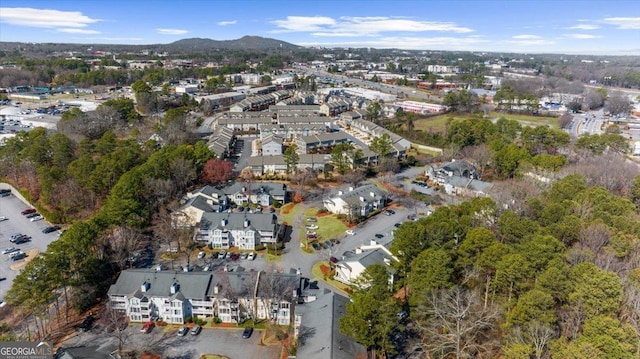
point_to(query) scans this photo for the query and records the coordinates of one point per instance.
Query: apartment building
(171, 296)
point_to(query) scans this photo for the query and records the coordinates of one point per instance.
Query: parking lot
(165, 342)
(11, 207)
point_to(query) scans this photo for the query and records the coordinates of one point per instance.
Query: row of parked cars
(230, 255)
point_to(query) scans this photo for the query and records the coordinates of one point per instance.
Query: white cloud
(303, 23)
(78, 31)
(225, 23)
(44, 17)
(582, 36)
(526, 37)
(171, 31)
(528, 40)
(583, 27)
(408, 43)
(345, 26)
(624, 22)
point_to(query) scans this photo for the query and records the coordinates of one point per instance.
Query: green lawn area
(438, 123)
(435, 124)
(329, 226)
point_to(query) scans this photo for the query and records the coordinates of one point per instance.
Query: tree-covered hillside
(557, 278)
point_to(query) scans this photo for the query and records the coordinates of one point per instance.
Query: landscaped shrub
(217, 320)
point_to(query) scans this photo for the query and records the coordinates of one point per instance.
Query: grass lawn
(317, 272)
(438, 123)
(329, 225)
(435, 124)
(290, 211)
(528, 120)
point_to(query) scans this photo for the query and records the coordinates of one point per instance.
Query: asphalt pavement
(11, 207)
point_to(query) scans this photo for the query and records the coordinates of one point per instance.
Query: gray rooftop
(192, 285)
(236, 220)
(320, 337)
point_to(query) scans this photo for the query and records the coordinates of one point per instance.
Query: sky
(522, 26)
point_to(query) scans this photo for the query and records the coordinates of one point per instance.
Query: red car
(28, 211)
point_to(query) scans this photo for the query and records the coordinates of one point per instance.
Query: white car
(201, 255)
(251, 256)
(350, 232)
(313, 226)
(3, 218)
(37, 218)
(2, 303)
(311, 233)
(10, 250)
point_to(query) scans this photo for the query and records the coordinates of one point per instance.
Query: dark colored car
(50, 229)
(397, 225)
(86, 324)
(235, 256)
(23, 239)
(246, 334)
(5, 190)
(31, 215)
(378, 235)
(333, 260)
(315, 246)
(28, 211)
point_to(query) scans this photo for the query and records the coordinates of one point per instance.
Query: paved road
(11, 207)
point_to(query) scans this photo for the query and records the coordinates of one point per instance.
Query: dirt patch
(31, 254)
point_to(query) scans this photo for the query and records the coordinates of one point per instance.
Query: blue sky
(567, 26)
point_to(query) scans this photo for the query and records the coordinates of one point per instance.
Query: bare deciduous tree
(457, 324)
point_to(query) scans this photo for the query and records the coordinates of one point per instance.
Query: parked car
(379, 235)
(18, 256)
(23, 239)
(222, 254)
(10, 250)
(244, 255)
(350, 232)
(50, 229)
(311, 233)
(5, 190)
(251, 256)
(397, 225)
(28, 211)
(201, 255)
(196, 330)
(333, 260)
(313, 226)
(183, 331)
(146, 327)
(2, 303)
(228, 255)
(235, 256)
(312, 219)
(316, 246)
(5, 194)
(391, 211)
(246, 334)
(37, 218)
(86, 324)
(3, 218)
(33, 214)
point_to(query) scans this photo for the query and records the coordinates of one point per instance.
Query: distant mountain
(244, 43)
(184, 46)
